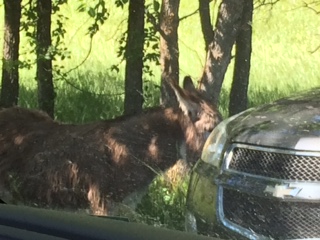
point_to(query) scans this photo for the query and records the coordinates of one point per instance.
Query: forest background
(284, 58)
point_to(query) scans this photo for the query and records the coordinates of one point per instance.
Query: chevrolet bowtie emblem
(282, 191)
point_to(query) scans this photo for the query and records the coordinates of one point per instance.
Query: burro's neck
(158, 138)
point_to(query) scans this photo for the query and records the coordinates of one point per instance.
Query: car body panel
(284, 123)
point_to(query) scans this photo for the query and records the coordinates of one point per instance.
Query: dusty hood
(291, 123)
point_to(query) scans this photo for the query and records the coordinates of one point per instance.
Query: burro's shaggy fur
(50, 164)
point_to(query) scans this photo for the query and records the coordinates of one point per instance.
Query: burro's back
(50, 164)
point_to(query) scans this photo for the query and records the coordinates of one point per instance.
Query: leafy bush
(164, 204)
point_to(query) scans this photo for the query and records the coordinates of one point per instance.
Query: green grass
(281, 63)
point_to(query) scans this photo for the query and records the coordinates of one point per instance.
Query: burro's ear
(188, 84)
(185, 99)
(194, 104)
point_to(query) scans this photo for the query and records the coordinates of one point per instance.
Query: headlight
(213, 148)
(214, 145)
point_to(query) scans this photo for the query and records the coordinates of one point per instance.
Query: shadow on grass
(76, 106)
(73, 105)
(80, 106)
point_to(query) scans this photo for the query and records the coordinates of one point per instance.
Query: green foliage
(121, 3)
(27, 27)
(100, 15)
(164, 204)
(97, 11)
(152, 51)
(151, 38)
(151, 93)
(58, 50)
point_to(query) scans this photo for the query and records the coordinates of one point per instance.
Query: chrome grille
(275, 164)
(272, 217)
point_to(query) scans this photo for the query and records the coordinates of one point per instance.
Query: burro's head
(195, 105)
(200, 116)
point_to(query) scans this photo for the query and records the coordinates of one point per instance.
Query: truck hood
(290, 123)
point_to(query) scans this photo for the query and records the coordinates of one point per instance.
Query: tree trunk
(205, 19)
(10, 62)
(46, 93)
(134, 55)
(239, 88)
(169, 50)
(219, 51)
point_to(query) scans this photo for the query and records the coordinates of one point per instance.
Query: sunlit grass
(282, 60)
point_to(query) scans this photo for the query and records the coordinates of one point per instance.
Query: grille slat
(272, 217)
(275, 165)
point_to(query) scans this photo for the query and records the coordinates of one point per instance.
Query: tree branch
(311, 6)
(189, 15)
(264, 3)
(316, 49)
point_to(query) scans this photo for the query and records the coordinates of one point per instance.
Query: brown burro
(46, 163)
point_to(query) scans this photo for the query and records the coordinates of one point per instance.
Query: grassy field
(282, 63)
